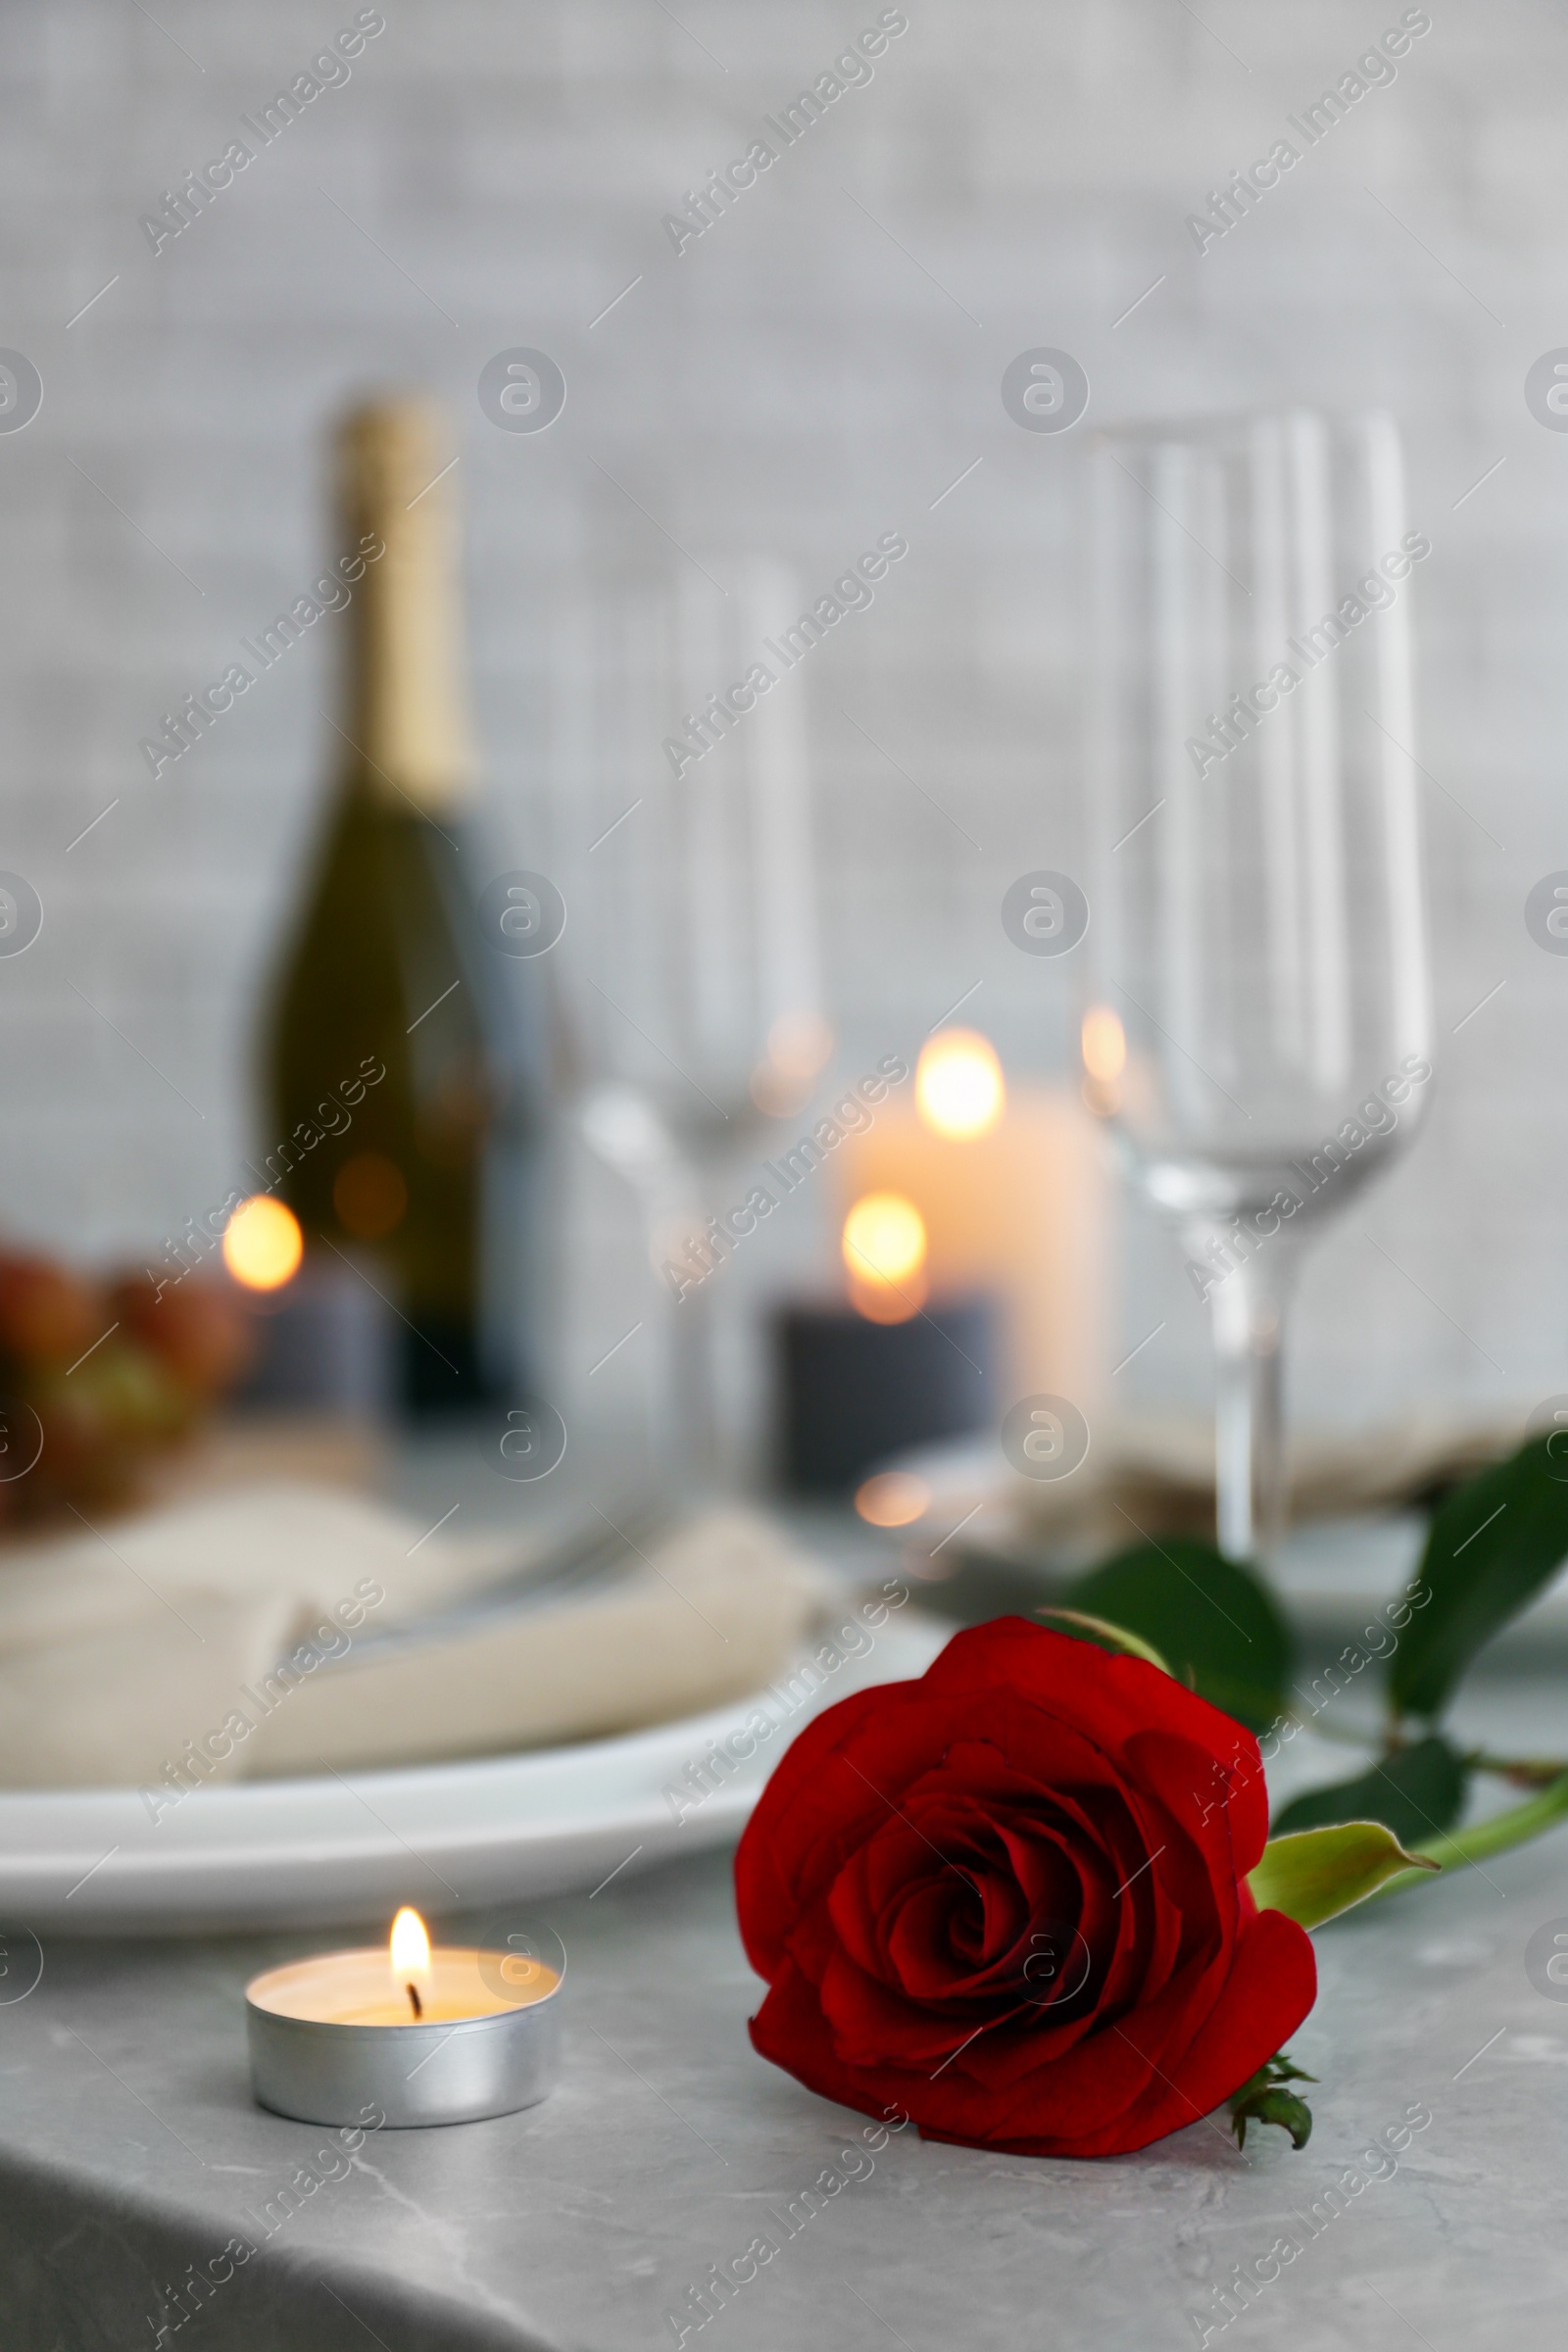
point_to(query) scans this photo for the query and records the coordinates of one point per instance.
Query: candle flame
(884, 1248)
(411, 1947)
(263, 1244)
(959, 1087)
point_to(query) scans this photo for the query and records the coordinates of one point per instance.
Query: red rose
(1010, 1899)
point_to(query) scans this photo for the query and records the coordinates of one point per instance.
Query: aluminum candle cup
(337, 2039)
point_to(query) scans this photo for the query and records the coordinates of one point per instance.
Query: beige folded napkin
(1153, 1473)
(711, 1613)
(237, 1636)
(283, 1541)
(1163, 1466)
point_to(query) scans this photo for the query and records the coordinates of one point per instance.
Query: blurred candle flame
(884, 1248)
(263, 1244)
(959, 1087)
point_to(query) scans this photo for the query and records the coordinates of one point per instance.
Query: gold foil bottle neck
(408, 712)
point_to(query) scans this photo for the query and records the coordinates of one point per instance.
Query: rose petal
(1269, 1989)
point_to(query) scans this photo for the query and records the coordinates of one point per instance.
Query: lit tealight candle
(422, 2035)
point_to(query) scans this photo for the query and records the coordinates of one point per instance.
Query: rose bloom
(1010, 1899)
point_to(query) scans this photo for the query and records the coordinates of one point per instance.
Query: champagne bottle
(386, 1015)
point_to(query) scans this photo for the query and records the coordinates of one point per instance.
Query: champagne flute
(699, 1000)
(1260, 1033)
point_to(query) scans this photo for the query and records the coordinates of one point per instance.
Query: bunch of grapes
(107, 1373)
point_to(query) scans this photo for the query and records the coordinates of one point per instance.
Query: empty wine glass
(699, 1001)
(1258, 1034)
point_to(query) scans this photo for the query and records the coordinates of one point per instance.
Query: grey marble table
(129, 2151)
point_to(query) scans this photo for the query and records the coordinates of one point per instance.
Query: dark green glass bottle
(383, 995)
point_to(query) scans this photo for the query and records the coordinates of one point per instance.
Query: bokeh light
(959, 1087)
(1104, 1045)
(799, 1046)
(884, 1249)
(884, 1238)
(263, 1244)
(369, 1196)
(893, 1499)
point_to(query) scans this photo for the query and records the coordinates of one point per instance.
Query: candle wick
(419, 2005)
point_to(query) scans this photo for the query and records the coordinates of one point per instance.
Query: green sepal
(1113, 1636)
(1313, 1875)
(1264, 2100)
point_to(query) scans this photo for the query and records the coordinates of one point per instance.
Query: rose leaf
(1416, 1792)
(1213, 1620)
(1312, 1875)
(1492, 1545)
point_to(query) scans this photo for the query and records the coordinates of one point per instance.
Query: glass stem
(694, 1414)
(1247, 1305)
(687, 1441)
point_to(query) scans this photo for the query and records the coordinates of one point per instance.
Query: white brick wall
(795, 383)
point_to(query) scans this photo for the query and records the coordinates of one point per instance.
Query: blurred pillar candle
(858, 1388)
(1013, 1197)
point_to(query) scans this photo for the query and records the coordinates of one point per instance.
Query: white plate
(446, 1838)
